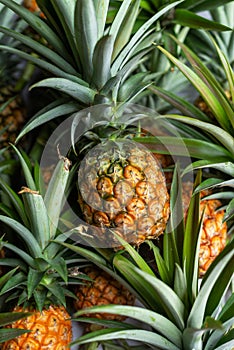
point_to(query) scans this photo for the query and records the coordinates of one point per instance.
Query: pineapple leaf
(135, 334)
(40, 26)
(47, 114)
(37, 213)
(181, 286)
(59, 265)
(101, 8)
(180, 103)
(49, 67)
(56, 189)
(217, 334)
(145, 292)
(25, 234)
(13, 262)
(7, 276)
(66, 16)
(16, 202)
(27, 173)
(41, 49)
(222, 136)
(9, 317)
(11, 333)
(189, 19)
(226, 342)
(86, 29)
(202, 5)
(15, 281)
(212, 100)
(56, 290)
(138, 37)
(40, 297)
(227, 311)
(33, 280)
(22, 254)
(228, 71)
(156, 321)
(197, 313)
(229, 210)
(226, 167)
(76, 90)
(191, 242)
(161, 265)
(126, 28)
(212, 182)
(135, 255)
(102, 62)
(119, 18)
(168, 298)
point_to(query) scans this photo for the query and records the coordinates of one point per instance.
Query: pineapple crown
(90, 60)
(40, 264)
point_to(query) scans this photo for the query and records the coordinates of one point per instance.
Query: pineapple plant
(176, 311)
(99, 71)
(40, 267)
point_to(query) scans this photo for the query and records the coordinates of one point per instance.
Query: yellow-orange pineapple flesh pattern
(122, 186)
(12, 118)
(214, 230)
(50, 330)
(103, 290)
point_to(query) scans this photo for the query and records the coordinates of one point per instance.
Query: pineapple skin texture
(124, 189)
(214, 234)
(51, 329)
(214, 230)
(13, 116)
(104, 290)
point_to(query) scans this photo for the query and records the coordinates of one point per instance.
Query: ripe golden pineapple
(50, 329)
(103, 290)
(121, 186)
(214, 230)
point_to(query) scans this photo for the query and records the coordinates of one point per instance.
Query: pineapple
(214, 228)
(124, 191)
(12, 109)
(50, 329)
(97, 69)
(103, 289)
(40, 265)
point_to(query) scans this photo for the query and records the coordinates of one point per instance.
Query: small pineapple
(102, 290)
(38, 284)
(122, 187)
(214, 229)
